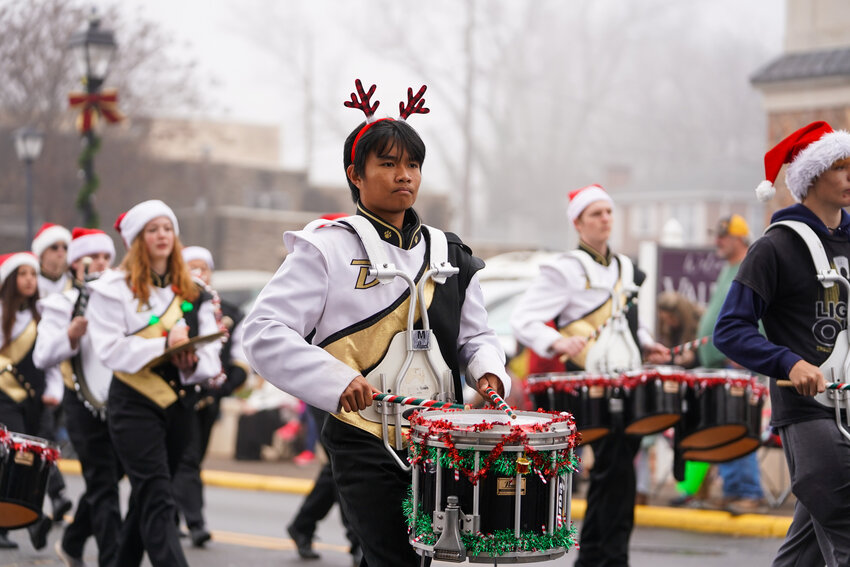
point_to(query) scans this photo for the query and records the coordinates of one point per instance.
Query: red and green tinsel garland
(495, 544)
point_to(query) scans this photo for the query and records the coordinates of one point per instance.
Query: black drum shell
(588, 404)
(22, 487)
(652, 406)
(716, 415)
(497, 498)
(739, 447)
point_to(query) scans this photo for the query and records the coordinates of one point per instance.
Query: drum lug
(449, 546)
(470, 524)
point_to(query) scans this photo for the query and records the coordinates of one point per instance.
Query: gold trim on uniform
(597, 256)
(365, 348)
(147, 382)
(588, 324)
(12, 354)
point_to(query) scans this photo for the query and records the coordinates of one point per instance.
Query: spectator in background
(678, 319)
(742, 490)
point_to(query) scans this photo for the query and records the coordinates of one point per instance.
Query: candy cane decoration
(696, 343)
(389, 398)
(499, 402)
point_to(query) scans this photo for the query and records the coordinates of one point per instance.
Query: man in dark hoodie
(802, 318)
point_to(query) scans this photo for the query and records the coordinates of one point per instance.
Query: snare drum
(746, 444)
(653, 398)
(586, 396)
(25, 463)
(717, 408)
(467, 466)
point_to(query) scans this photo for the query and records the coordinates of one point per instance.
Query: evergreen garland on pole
(91, 181)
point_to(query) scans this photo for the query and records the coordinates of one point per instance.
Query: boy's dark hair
(382, 137)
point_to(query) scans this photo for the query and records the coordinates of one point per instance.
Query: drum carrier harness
(836, 368)
(412, 365)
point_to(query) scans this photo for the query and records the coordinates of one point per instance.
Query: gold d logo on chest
(364, 280)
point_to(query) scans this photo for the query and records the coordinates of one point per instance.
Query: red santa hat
(11, 262)
(198, 253)
(88, 241)
(581, 198)
(810, 151)
(131, 223)
(48, 235)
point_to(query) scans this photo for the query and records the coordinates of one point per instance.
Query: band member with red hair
(137, 312)
(322, 323)
(25, 390)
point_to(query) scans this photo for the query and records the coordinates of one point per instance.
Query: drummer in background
(50, 245)
(742, 492)
(60, 337)
(560, 293)
(188, 488)
(135, 313)
(25, 390)
(777, 284)
(319, 318)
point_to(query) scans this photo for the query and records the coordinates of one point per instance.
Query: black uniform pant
(610, 514)
(149, 441)
(188, 488)
(98, 511)
(324, 495)
(372, 488)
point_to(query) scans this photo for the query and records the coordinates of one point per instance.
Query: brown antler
(414, 104)
(363, 102)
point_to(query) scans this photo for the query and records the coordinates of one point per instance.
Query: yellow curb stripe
(704, 521)
(267, 542)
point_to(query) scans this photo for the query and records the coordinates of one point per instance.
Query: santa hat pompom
(765, 191)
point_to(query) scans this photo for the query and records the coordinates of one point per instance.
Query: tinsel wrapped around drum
(467, 465)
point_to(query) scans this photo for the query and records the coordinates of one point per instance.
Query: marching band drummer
(61, 334)
(805, 324)
(25, 390)
(562, 292)
(135, 313)
(322, 323)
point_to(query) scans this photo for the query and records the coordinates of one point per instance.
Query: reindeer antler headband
(362, 100)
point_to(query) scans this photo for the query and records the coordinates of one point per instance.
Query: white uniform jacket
(322, 292)
(560, 293)
(53, 386)
(114, 315)
(47, 287)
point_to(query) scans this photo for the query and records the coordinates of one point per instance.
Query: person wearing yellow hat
(742, 490)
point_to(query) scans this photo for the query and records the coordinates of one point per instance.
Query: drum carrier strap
(837, 367)
(419, 344)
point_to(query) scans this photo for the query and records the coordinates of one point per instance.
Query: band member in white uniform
(25, 390)
(62, 340)
(577, 291)
(188, 488)
(50, 245)
(323, 323)
(135, 313)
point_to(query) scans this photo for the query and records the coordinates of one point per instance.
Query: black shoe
(199, 536)
(61, 506)
(5, 542)
(303, 543)
(38, 532)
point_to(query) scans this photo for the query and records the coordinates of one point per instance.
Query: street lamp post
(93, 48)
(28, 144)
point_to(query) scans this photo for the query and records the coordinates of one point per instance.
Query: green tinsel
(505, 465)
(91, 183)
(495, 544)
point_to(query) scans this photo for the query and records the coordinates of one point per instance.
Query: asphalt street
(249, 528)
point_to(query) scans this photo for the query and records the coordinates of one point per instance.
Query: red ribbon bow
(104, 103)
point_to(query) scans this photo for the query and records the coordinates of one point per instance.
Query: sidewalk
(285, 476)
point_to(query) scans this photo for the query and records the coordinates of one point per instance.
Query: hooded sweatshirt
(777, 284)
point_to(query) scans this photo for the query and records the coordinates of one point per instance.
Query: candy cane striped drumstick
(679, 349)
(841, 386)
(389, 398)
(499, 402)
